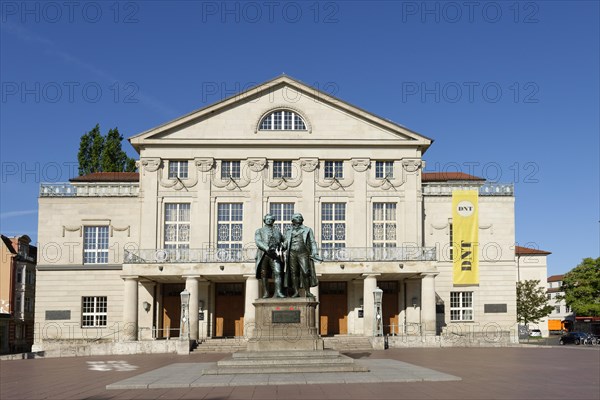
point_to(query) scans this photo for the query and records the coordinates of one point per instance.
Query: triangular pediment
(236, 119)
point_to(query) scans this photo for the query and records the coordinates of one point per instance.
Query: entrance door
(333, 308)
(171, 309)
(389, 306)
(229, 310)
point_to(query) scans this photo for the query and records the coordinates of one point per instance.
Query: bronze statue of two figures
(294, 272)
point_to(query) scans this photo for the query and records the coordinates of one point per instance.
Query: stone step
(286, 369)
(221, 346)
(348, 343)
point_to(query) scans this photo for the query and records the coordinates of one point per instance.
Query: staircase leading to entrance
(221, 345)
(348, 343)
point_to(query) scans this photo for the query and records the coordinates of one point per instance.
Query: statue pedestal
(286, 324)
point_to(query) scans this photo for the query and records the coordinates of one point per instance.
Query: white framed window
(333, 225)
(19, 302)
(334, 169)
(229, 231)
(28, 304)
(95, 245)
(384, 224)
(384, 169)
(461, 306)
(557, 309)
(282, 212)
(178, 169)
(177, 226)
(230, 169)
(282, 169)
(94, 311)
(282, 120)
(29, 277)
(19, 277)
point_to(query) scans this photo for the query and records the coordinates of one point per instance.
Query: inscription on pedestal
(286, 317)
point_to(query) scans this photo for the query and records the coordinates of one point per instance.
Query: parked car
(535, 333)
(573, 337)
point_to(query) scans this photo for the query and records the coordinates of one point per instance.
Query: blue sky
(508, 90)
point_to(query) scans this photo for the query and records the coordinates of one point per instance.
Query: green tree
(103, 154)
(581, 286)
(532, 303)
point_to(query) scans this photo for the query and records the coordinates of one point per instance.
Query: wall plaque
(286, 317)
(494, 308)
(58, 315)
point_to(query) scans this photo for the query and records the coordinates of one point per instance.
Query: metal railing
(487, 189)
(214, 255)
(95, 189)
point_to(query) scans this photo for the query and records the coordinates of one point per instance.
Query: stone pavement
(569, 372)
(183, 375)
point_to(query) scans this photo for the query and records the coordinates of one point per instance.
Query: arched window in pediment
(282, 120)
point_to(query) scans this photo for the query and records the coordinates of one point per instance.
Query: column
(204, 296)
(315, 292)
(249, 311)
(370, 284)
(191, 284)
(130, 308)
(428, 303)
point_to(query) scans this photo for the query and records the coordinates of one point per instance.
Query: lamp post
(185, 318)
(378, 318)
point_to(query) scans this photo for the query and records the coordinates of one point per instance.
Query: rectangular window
(19, 278)
(230, 169)
(282, 169)
(28, 304)
(557, 309)
(461, 306)
(282, 212)
(384, 224)
(177, 226)
(95, 245)
(334, 169)
(229, 231)
(93, 311)
(178, 169)
(333, 225)
(384, 169)
(18, 302)
(567, 309)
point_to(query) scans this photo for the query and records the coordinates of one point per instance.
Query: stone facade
(206, 180)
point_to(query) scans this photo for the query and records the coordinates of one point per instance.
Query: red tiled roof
(449, 176)
(108, 177)
(526, 250)
(555, 278)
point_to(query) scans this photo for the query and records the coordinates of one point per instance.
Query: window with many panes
(178, 169)
(461, 306)
(282, 212)
(333, 225)
(384, 169)
(229, 231)
(282, 120)
(230, 169)
(93, 311)
(334, 169)
(282, 169)
(95, 245)
(384, 224)
(177, 226)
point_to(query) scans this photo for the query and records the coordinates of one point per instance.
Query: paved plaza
(571, 372)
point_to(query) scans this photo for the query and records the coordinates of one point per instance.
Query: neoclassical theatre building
(117, 249)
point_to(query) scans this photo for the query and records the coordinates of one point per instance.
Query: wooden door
(389, 305)
(171, 306)
(229, 310)
(333, 308)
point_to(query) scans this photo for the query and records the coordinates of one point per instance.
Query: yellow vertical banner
(465, 240)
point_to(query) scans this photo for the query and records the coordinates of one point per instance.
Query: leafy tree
(581, 286)
(532, 303)
(103, 154)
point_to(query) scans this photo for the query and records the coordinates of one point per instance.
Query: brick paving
(569, 372)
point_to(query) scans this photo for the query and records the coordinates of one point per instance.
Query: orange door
(171, 315)
(389, 306)
(333, 308)
(229, 310)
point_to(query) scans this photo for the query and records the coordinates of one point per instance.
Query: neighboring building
(120, 247)
(17, 294)
(561, 318)
(532, 265)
